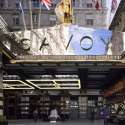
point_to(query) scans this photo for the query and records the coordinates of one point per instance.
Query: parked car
(117, 118)
(112, 118)
(121, 117)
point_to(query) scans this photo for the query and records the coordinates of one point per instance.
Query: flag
(20, 7)
(96, 4)
(47, 3)
(113, 6)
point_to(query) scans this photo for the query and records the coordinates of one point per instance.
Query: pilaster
(6, 3)
(1, 84)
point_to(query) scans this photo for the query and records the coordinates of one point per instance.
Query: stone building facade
(83, 14)
(117, 45)
(1, 84)
(118, 22)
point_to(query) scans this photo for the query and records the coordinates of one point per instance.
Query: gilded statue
(64, 12)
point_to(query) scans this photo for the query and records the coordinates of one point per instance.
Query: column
(6, 3)
(1, 85)
(25, 4)
(123, 20)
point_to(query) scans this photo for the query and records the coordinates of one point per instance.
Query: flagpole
(31, 15)
(24, 21)
(102, 19)
(102, 15)
(39, 15)
(93, 15)
(109, 20)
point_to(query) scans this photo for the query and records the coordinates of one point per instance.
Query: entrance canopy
(63, 57)
(63, 72)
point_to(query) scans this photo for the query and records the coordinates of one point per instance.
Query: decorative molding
(9, 11)
(1, 90)
(1, 98)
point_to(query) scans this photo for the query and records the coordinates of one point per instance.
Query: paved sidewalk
(68, 122)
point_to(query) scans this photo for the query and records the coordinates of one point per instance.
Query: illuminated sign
(120, 85)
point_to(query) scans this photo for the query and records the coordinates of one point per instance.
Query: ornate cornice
(11, 11)
(118, 15)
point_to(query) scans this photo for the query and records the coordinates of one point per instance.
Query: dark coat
(92, 114)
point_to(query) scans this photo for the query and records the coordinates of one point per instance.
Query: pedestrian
(105, 113)
(35, 114)
(92, 115)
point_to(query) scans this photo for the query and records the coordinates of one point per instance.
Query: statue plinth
(65, 23)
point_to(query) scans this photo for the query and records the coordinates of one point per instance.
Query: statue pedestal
(53, 120)
(65, 23)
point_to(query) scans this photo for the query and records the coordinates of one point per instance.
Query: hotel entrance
(71, 89)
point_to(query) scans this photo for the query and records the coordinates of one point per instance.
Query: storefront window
(32, 102)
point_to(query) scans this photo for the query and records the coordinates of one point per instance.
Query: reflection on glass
(53, 102)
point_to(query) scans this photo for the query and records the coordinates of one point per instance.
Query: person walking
(105, 113)
(35, 114)
(92, 115)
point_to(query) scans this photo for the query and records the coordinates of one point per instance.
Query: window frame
(53, 5)
(52, 20)
(36, 19)
(88, 3)
(2, 3)
(16, 5)
(16, 20)
(74, 3)
(89, 23)
(36, 3)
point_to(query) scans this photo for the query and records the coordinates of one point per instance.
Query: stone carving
(117, 46)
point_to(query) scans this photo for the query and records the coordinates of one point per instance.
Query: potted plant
(3, 120)
(64, 94)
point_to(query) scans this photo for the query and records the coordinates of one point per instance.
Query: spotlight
(32, 91)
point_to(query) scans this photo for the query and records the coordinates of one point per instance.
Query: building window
(89, 21)
(54, 5)
(52, 20)
(1, 3)
(89, 5)
(17, 5)
(35, 19)
(16, 19)
(73, 3)
(35, 3)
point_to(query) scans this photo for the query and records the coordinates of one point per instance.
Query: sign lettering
(44, 44)
(27, 47)
(86, 37)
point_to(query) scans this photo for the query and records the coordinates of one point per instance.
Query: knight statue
(64, 12)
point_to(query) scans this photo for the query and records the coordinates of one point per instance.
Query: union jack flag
(113, 6)
(47, 4)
